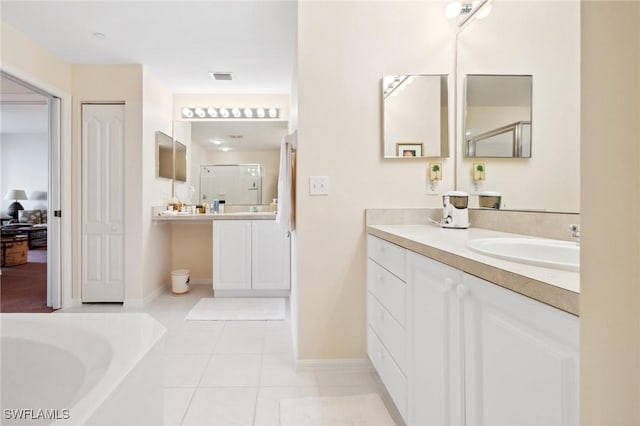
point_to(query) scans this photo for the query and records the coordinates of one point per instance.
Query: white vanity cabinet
(474, 352)
(435, 343)
(521, 358)
(249, 257)
(386, 317)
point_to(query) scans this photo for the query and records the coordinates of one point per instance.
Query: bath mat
(238, 309)
(363, 410)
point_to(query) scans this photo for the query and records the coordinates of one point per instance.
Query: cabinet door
(521, 358)
(435, 378)
(270, 251)
(231, 254)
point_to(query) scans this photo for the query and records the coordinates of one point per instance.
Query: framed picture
(409, 149)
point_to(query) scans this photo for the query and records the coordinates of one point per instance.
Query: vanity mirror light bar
(229, 113)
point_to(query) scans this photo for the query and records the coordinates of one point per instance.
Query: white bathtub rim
(121, 363)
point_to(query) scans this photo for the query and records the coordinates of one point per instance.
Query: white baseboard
(360, 365)
(251, 293)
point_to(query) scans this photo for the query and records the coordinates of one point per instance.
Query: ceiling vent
(221, 75)
(236, 136)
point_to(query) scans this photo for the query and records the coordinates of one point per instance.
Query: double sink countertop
(554, 287)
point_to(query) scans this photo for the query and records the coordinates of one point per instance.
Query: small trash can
(180, 281)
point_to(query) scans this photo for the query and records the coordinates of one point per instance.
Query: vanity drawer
(388, 330)
(386, 254)
(392, 377)
(388, 289)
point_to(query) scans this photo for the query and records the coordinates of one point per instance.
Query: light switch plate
(319, 185)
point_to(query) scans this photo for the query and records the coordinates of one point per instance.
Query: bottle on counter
(221, 206)
(216, 206)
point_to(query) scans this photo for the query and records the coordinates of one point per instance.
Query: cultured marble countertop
(181, 217)
(551, 286)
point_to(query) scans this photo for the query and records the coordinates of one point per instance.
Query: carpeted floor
(23, 288)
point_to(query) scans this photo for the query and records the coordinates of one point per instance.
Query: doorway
(29, 185)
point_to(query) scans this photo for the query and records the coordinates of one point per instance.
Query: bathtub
(77, 369)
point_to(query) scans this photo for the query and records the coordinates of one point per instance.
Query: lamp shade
(15, 194)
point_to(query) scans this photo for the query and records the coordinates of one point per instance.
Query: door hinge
(57, 213)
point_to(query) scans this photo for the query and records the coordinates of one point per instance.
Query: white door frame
(63, 182)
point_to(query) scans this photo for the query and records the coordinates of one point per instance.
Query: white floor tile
(184, 370)
(241, 337)
(277, 337)
(190, 338)
(222, 406)
(279, 370)
(232, 370)
(176, 402)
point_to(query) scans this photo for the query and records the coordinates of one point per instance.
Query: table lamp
(15, 194)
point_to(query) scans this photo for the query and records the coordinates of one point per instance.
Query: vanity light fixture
(477, 9)
(232, 113)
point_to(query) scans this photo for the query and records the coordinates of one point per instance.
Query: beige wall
(21, 55)
(192, 249)
(610, 278)
(113, 83)
(157, 103)
(339, 135)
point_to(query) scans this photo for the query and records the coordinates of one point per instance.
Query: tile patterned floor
(235, 372)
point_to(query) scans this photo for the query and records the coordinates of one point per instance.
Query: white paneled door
(102, 203)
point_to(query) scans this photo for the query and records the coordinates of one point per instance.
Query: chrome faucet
(575, 232)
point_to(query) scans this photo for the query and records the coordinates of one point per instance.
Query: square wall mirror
(497, 116)
(415, 110)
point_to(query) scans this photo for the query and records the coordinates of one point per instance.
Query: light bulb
(200, 112)
(186, 112)
(260, 112)
(212, 112)
(273, 113)
(248, 113)
(236, 112)
(485, 11)
(453, 9)
(224, 112)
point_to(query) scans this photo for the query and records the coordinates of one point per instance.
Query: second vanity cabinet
(476, 353)
(250, 256)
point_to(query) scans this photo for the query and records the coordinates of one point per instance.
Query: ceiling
(255, 135)
(180, 42)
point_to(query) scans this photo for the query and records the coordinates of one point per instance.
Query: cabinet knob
(114, 228)
(448, 284)
(461, 291)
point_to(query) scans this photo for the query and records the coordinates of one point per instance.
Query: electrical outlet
(319, 185)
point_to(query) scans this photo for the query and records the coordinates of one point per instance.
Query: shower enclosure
(237, 184)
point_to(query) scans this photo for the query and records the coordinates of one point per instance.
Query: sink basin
(554, 254)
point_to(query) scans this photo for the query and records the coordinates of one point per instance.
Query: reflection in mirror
(497, 116)
(415, 116)
(180, 173)
(236, 184)
(164, 155)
